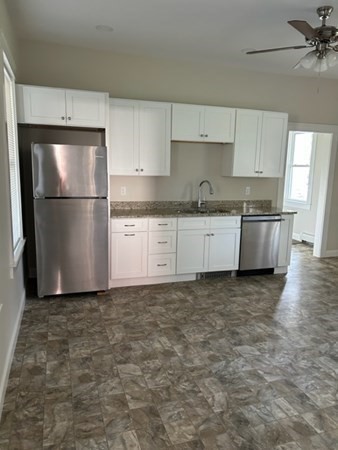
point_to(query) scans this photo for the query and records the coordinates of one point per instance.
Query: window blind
(13, 158)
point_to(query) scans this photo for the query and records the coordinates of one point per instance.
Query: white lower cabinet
(162, 247)
(128, 249)
(224, 249)
(208, 244)
(285, 240)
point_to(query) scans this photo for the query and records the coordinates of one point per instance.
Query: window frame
(11, 137)
(289, 202)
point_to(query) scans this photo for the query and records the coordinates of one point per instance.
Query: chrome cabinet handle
(69, 118)
(162, 224)
(62, 117)
(130, 225)
(161, 265)
(162, 242)
(129, 234)
(141, 170)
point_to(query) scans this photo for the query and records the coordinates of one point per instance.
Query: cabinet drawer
(162, 224)
(161, 265)
(193, 223)
(225, 222)
(121, 225)
(162, 242)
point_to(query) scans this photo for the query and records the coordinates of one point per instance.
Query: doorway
(315, 167)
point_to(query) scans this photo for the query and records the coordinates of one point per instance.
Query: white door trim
(326, 185)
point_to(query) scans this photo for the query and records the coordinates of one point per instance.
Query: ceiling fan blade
(304, 28)
(267, 50)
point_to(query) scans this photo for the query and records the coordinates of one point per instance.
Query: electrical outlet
(248, 190)
(123, 190)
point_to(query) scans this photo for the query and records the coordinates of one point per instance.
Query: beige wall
(11, 289)
(306, 100)
(190, 164)
(332, 240)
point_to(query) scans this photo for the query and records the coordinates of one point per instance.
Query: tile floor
(234, 363)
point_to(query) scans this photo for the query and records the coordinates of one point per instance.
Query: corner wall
(12, 292)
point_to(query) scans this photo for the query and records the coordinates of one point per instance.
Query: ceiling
(207, 31)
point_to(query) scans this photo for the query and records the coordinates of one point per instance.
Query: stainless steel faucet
(201, 197)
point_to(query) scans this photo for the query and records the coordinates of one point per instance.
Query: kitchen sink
(206, 211)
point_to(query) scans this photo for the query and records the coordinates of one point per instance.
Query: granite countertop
(189, 209)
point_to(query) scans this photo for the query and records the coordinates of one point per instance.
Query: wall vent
(208, 275)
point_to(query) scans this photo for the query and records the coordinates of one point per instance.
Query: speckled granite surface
(186, 208)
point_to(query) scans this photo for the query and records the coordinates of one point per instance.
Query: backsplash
(229, 204)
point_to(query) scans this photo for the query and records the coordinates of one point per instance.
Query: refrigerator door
(69, 171)
(71, 245)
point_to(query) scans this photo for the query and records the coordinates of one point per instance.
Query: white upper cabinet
(273, 144)
(197, 123)
(260, 145)
(139, 134)
(54, 106)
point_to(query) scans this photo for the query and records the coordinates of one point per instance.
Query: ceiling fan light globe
(332, 58)
(309, 60)
(321, 65)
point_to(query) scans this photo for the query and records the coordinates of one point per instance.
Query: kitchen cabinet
(128, 248)
(285, 240)
(208, 244)
(197, 123)
(162, 246)
(260, 145)
(139, 143)
(66, 107)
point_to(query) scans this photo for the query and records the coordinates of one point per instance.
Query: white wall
(306, 100)
(11, 289)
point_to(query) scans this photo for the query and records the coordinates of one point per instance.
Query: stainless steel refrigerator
(70, 187)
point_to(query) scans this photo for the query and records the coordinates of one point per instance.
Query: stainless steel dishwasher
(259, 242)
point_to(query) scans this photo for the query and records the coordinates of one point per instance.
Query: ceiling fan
(323, 39)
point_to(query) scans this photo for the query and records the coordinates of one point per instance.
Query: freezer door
(71, 245)
(69, 171)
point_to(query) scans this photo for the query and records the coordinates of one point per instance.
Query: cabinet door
(273, 144)
(154, 138)
(224, 249)
(41, 105)
(187, 123)
(247, 143)
(191, 251)
(219, 124)
(128, 255)
(86, 109)
(123, 137)
(285, 240)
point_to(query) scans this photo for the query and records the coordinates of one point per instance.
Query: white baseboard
(331, 254)
(308, 237)
(151, 280)
(11, 349)
(296, 237)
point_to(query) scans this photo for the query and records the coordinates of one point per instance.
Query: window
(17, 240)
(299, 170)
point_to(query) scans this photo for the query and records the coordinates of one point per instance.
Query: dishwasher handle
(262, 219)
